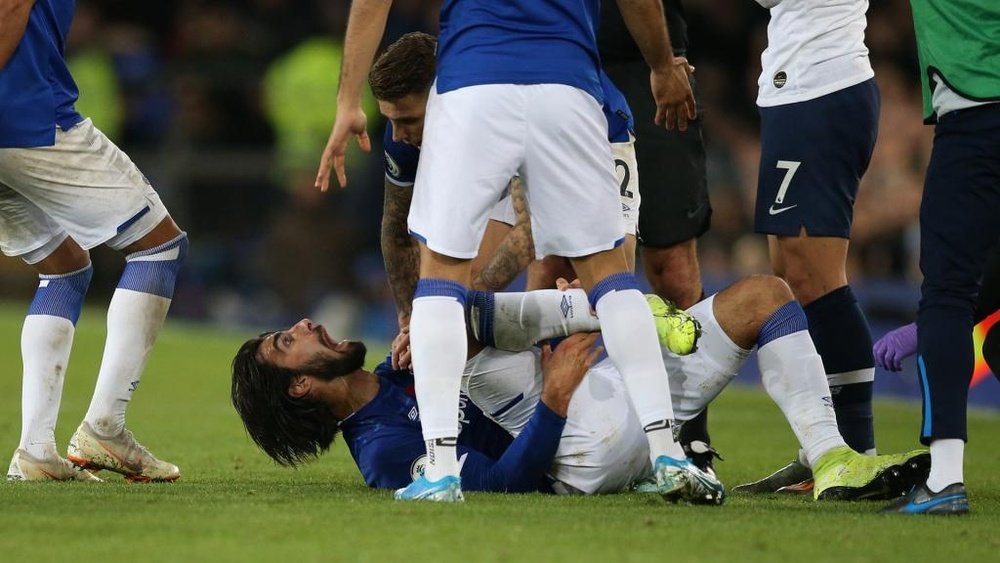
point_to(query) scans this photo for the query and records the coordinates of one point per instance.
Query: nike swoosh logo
(694, 212)
(931, 503)
(774, 211)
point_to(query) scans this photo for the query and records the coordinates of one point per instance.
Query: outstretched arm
(525, 463)
(13, 21)
(669, 75)
(515, 252)
(400, 251)
(365, 27)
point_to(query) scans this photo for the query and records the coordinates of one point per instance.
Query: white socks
(630, 339)
(947, 459)
(793, 375)
(46, 342)
(134, 322)
(135, 317)
(439, 347)
(520, 320)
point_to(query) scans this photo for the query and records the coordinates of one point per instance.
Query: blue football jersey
(519, 42)
(37, 93)
(400, 160)
(617, 112)
(475, 431)
(386, 442)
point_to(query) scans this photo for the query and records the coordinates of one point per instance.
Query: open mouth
(332, 344)
(325, 337)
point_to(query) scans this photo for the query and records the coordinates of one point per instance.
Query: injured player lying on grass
(296, 389)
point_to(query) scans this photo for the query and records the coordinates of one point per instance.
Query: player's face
(307, 347)
(407, 117)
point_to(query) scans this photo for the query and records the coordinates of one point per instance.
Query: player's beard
(345, 363)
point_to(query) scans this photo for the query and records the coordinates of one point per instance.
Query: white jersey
(813, 48)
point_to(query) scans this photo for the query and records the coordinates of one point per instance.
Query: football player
(518, 92)
(292, 388)
(66, 188)
(819, 109)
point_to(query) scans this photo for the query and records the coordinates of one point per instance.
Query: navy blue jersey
(37, 92)
(386, 443)
(519, 42)
(476, 430)
(400, 160)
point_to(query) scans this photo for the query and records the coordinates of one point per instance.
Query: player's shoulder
(401, 160)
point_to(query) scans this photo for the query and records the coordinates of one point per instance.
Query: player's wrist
(557, 401)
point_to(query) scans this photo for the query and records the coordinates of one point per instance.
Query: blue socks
(840, 331)
(62, 295)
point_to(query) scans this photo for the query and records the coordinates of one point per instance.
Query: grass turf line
(232, 504)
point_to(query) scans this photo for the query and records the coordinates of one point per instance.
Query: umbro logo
(773, 211)
(566, 307)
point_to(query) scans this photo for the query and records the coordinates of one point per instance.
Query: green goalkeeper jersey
(958, 42)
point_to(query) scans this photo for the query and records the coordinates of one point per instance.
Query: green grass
(232, 504)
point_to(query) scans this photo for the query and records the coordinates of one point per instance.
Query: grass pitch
(232, 504)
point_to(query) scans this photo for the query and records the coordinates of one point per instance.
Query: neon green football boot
(843, 474)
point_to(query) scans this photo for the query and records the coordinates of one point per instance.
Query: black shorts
(672, 184)
(812, 157)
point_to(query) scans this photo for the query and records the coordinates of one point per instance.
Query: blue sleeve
(400, 160)
(523, 466)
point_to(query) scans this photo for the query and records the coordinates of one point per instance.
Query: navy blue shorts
(812, 157)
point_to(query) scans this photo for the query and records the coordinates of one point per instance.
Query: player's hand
(400, 351)
(672, 92)
(350, 121)
(896, 346)
(563, 369)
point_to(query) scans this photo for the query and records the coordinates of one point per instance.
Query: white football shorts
(84, 187)
(477, 138)
(603, 448)
(627, 172)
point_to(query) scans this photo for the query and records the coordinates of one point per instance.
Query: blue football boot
(446, 489)
(950, 500)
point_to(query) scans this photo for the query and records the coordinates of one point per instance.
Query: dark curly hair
(407, 67)
(290, 430)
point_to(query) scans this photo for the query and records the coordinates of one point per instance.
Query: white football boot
(121, 454)
(25, 467)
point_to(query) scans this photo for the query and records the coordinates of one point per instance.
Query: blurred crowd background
(226, 106)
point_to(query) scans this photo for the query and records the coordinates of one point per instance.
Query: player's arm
(527, 460)
(516, 251)
(13, 21)
(365, 26)
(399, 250)
(669, 76)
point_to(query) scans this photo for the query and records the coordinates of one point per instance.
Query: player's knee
(154, 270)
(762, 295)
(772, 291)
(58, 258)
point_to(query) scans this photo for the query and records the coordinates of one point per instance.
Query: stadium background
(226, 106)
